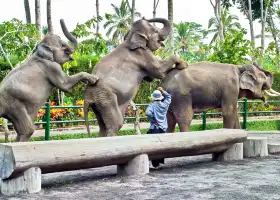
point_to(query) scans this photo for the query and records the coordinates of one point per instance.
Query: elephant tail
(86, 107)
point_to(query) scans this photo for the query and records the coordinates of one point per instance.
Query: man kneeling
(156, 113)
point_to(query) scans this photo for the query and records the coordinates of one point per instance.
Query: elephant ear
(138, 40)
(45, 51)
(248, 81)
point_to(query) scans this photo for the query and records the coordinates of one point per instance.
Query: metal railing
(204, 115)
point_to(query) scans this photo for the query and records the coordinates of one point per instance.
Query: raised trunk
(38, 16)
(170, 18)
(250, 18)
(68, 35)
(97, 15)
(49, 17)
(165, 31)
(27, 11)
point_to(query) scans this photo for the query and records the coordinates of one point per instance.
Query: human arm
(149, 112)
(167, 97)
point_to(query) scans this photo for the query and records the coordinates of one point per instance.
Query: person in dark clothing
(156, 113)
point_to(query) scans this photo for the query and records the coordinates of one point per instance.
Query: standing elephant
(209, 85)
(122, 71)
(26, 88)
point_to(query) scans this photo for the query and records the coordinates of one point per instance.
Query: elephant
(27, 87)
(122, 71)
(209, 85)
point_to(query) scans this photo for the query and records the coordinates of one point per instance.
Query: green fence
(204, 115)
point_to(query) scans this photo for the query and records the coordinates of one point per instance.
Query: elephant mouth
(161, 43)
(67, 54)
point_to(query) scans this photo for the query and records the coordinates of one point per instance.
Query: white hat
(157, 95)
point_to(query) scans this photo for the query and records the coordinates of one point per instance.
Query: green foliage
(18, 38)
(230, 24)
(235, 49)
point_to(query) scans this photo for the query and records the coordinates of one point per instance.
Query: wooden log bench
(21, 164)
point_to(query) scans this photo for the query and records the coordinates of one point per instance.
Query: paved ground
(192, 178)
(189, 178)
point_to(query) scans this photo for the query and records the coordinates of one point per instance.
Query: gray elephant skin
(26, 88)
(208, 85)
(122, 71)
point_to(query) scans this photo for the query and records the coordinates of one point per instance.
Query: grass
(260, 125)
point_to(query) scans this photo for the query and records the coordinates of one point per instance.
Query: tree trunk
(132, 11)
(38, 16)
(155, 9)
(6, 129)
(263, 26)
(27, 11)
(218, 14)
(274, 35)
(250, 18)
(137, 118)
(170, 18)
(97, 15)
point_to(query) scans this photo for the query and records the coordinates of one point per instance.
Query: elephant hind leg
(102, 127)
(23, 125)
(171, 121)
(230, 115)
(111, 116)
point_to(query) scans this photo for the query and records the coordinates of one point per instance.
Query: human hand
(160, 89)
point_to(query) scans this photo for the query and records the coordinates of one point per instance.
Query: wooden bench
(21, 164)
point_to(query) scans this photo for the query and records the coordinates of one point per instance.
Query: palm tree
(38, 16)
(119, 23)
(188, 36)
(229, 22)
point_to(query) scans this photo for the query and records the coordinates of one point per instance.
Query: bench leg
(29, 181)
(138, 165)
(255, 147)
(235, 152)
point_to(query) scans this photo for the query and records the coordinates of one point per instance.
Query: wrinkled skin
(122, 71)
(26, 88)
(207, 85)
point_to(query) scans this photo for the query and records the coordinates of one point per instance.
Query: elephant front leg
(230, 116)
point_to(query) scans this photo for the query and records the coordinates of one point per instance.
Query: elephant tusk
(272, 95)
(274, 92)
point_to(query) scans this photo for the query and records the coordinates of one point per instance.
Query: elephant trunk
(68, 35)
(164, 32)
(86, 107)
(49, 17)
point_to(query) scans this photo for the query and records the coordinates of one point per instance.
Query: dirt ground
(191, 178)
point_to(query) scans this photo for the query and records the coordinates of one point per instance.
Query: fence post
(47, 126)
(204, 121)
(245, 114)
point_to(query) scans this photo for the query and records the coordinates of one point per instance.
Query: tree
(119, 22)
(230, 23)
(170, 18)
(234, 49)
(155, 8)
(188, 36)
(132, 10)
(218, 14)
(97, 15)
(27, 11)
(38, 16)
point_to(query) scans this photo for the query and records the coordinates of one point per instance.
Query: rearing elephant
(122, 71)
(27, 87)
(209, 85)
